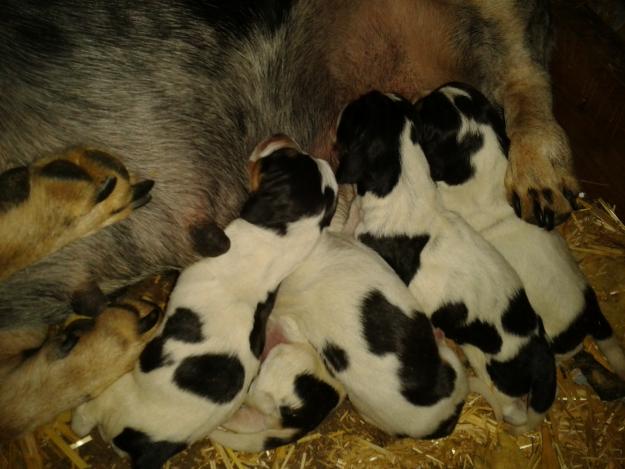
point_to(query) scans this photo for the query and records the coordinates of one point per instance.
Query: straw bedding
(581, 431)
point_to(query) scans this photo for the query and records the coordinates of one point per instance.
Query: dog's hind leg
(82, 360)
(59, 199)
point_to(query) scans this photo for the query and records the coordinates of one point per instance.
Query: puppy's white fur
(324, 296)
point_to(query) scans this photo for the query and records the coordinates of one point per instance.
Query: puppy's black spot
(143, 451)
(425, 378)
(335, 356)
(216, 377)
(290, 190)
(184, 325)
(519, 317)
(39, 35)
(63, 169)
(14, 187)
(452, 319)
(402, 252)
(318, 399)
(446, 427)
(152, 356)
(208, 239)
(532, 371)
(273, 442)
(107, 161)
(257, 335)
(590, 321)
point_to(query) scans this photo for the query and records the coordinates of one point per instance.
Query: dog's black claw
(571, 197)
(141, 193)
(538, 214)
(150, 320)
(106, 189)
(516, 205)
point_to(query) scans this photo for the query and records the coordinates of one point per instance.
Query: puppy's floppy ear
(209, 240)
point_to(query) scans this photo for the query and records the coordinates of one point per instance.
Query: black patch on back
(318, 399)
(63, 169)
(290, 189)
(335, 356)
(152, 356)
(107, 161)
(401, 252)
(37, 33)
(446, 427)
(591, 321)
(519, 317)
(368, 142)
(184, 325)
(216, 377)
(14, 187)
(532, 370)
(452, 317)
(144, 452)
(261, 315)
(208, 239)
(425, 378)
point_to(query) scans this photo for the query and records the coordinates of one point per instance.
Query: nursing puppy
(466, 287)
(292, 394)
(196, 372)
(465, 143)
(371, 333)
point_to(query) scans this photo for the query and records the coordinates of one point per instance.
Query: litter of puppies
(378, 326)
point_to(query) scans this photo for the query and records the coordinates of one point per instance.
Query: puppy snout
(272, 144)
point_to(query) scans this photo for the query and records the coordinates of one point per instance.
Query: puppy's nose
(271, 144)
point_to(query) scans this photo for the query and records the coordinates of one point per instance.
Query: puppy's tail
(255, 442)
(601, 331)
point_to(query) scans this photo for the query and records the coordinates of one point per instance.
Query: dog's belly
(183, 102)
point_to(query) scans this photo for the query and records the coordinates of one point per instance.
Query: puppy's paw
(540, 184)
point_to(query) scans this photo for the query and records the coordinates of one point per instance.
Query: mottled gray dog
(181, 91)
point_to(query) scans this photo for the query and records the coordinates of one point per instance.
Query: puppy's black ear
(209, 240)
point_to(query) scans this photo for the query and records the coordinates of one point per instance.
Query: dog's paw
(89, 188)
(540, 184)
(59, 199)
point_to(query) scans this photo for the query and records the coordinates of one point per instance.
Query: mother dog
(181, 91)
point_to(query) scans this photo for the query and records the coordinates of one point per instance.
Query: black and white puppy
(292, 394)
(196, 372)
(465, 143)
(374, 338)
(465, 286)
